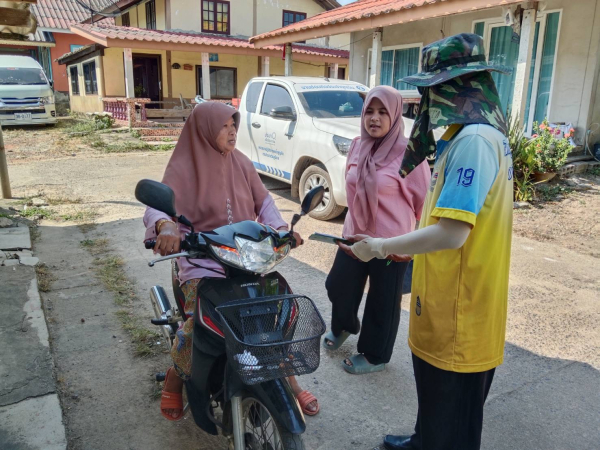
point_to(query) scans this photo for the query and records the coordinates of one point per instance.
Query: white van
(299, 130)
(26, 95)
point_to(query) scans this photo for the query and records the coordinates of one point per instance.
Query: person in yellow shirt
(462, 248)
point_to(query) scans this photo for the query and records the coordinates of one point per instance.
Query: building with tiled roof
(53, 37)
(551, 45)
(59, 15)
(166, 50)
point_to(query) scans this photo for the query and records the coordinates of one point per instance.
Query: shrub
(548, 147)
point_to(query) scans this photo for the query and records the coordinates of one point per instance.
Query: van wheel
(317, 175)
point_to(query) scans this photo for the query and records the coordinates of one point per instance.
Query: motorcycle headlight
(258, 257)
(342, 144)
(48, 100)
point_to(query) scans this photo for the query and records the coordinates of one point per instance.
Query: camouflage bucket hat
(451, 58)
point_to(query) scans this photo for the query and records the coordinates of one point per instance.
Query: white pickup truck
(299, 130)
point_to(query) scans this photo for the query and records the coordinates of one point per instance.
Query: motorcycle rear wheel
(262, 432)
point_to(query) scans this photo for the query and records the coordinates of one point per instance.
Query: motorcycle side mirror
(312, 199)
(156, 195)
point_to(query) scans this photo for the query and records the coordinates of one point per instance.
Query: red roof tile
(361, 9)
(103, 32)
(64, 13)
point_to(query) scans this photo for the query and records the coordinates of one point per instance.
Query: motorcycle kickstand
(238, 425)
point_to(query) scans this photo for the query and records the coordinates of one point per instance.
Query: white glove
(446, 234)
(368, 249)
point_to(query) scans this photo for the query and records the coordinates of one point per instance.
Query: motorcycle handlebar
(150, 244)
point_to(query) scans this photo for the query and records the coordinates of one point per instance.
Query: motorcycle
(250, 330)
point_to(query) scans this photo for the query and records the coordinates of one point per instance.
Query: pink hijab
(387, 149)
(212, 189)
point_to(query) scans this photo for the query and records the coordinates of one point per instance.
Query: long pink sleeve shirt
(268, 215)
(400, 199)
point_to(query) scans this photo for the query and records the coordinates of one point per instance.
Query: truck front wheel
(317, 175)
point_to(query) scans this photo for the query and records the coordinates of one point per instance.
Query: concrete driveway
(545, 396)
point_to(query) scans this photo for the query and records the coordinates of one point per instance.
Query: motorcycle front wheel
(262, 432)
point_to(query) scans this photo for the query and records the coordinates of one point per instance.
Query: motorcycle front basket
(272, 337)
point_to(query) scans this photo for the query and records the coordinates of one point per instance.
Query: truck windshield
(332, 104)
(22, 75)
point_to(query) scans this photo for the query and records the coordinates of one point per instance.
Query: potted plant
(548, 148)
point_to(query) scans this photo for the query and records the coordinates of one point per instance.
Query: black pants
(450, 413)
(345, 287)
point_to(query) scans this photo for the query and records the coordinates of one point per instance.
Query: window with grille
(292, 17)
(151, 15)
(215, 16)
(125, 20)
(89, 78)
(74, 80)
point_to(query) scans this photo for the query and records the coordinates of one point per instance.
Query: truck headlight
(49, 100)
(342, 144)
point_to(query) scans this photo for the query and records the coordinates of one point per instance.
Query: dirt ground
(570, 221)
(544, 396)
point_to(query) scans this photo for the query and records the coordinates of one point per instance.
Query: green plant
(523, 159)
(549, 146)
(139, 90)
(594, 170)
(524, 191)
(103, 121)
(163, 147)
(34, 211)
(550, 192)
(126, 147)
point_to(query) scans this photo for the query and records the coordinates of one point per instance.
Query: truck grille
(27, 101)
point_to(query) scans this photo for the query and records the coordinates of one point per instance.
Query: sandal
(337, 341)
(170, 400)
(305, 398)
(360, 365)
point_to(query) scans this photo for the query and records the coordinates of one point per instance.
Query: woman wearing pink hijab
(380, 204)
(215, 185)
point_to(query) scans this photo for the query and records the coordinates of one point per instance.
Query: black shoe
(392, 442)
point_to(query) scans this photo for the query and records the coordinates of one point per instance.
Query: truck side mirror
(283, 113)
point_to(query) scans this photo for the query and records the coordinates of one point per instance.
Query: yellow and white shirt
(459, 297)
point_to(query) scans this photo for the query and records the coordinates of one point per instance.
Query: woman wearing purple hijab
(215, 185)
(380, 204)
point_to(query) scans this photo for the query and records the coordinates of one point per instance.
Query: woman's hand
(299, 240)
(347, 249)
(169, 239)
(399, 258)
(357, 237)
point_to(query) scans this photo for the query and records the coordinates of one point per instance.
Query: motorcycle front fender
(276, 395)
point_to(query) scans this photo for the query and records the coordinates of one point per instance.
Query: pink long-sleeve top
(268, 215)
(400, 199)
